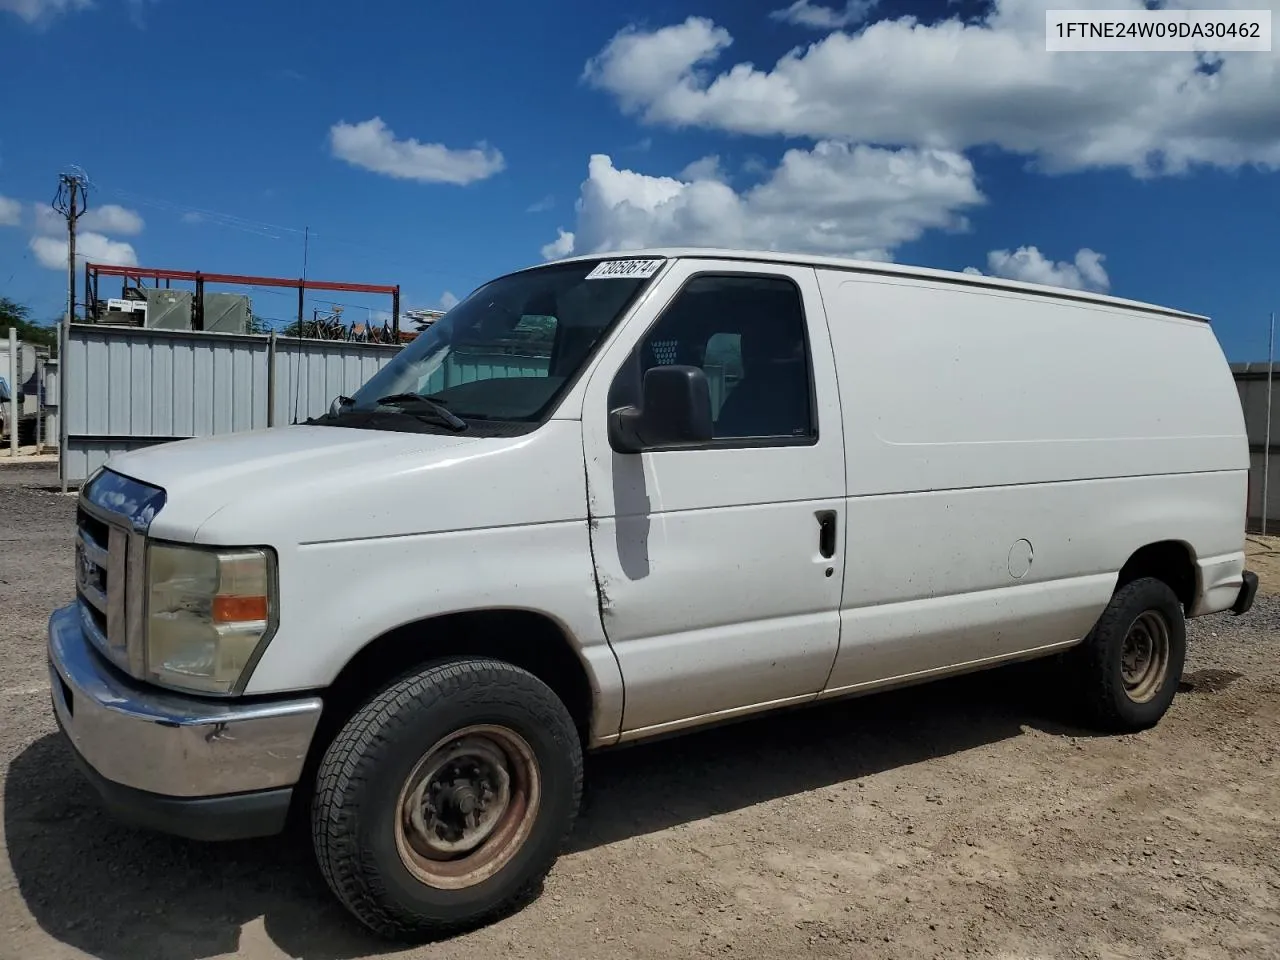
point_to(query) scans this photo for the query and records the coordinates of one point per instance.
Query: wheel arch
(529, 639)
(1171, 561)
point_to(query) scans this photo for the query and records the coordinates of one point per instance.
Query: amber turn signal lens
(239, 609)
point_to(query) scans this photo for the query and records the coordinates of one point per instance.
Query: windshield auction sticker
(624, 269)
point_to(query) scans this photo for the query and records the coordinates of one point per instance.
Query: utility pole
(297, 361)
(71, 201)
(72, 216)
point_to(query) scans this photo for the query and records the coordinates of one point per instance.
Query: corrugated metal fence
(1251, 383)
(128, 387)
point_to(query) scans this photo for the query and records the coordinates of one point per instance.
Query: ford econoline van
(615, 497)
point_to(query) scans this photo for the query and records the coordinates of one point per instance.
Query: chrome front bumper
(172, 747)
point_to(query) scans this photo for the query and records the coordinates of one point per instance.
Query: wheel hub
(467, 806)
(1144, 656)
(459, 798)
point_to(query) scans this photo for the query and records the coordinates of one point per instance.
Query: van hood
(202, 476)
(271, 454)
(311, 484)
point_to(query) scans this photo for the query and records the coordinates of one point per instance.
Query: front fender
(337, 597)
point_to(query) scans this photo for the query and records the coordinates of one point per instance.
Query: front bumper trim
(239, 816)
(166, 744)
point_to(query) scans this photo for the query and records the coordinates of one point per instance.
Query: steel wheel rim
(467, 807)
(1144, 656)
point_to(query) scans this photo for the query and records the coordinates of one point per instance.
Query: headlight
(208, 612)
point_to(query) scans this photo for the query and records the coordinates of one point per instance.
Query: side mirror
(675, 409)
(339, 405)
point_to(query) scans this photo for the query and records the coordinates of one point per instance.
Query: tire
(1118, 694)
(391, 869)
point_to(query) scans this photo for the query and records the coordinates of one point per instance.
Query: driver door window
(747, 334)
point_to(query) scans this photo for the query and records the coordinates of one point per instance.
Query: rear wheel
(446, 799)
(1131, 662)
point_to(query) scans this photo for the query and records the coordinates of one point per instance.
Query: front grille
(92, 563)
(111, 528)
(101, 585)
(92, 526)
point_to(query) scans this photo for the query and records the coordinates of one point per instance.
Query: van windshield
(505, 353)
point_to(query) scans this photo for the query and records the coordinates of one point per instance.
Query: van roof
(886, 269)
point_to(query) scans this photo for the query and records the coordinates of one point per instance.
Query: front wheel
(1129, 666)
(445, 800)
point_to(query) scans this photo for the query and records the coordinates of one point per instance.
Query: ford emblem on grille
(86, 570)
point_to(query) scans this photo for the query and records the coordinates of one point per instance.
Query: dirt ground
(962, 819)
(1264, 559)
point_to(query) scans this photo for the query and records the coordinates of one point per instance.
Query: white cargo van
(609, 498)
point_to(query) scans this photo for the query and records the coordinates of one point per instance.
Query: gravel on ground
(959, 819)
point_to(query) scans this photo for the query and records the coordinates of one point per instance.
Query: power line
(273, 231)
(201, 214)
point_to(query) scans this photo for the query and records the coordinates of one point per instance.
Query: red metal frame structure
(92, 271)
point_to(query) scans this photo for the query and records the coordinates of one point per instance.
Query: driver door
(720, 567)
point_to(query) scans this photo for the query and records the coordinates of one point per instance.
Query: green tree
(14, 314)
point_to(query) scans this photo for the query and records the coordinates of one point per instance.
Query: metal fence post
(271, 380)
(14, 386)
(1266, 437)
(64, 373)
(39, 404)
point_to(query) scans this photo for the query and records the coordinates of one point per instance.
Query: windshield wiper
(407, 397)
(435, 408)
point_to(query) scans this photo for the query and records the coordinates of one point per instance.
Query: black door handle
(827, 533)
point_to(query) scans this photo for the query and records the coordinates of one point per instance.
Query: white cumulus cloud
(561, 246)
(51, 252)
(804, 13)
(47, 220)
(111, 218)
(1085, 272)
(10, 212)
(372, 145)
(706, 168)
(643, 68)
(955, 84)
(35, 11)
(834, 199)
(448, 300)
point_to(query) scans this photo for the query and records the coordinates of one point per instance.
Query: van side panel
(949, 387)
(1006, 455)
(930, 582)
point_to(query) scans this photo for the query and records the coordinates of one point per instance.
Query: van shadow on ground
(121, 894)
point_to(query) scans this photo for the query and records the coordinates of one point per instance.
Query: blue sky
(434, 145)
